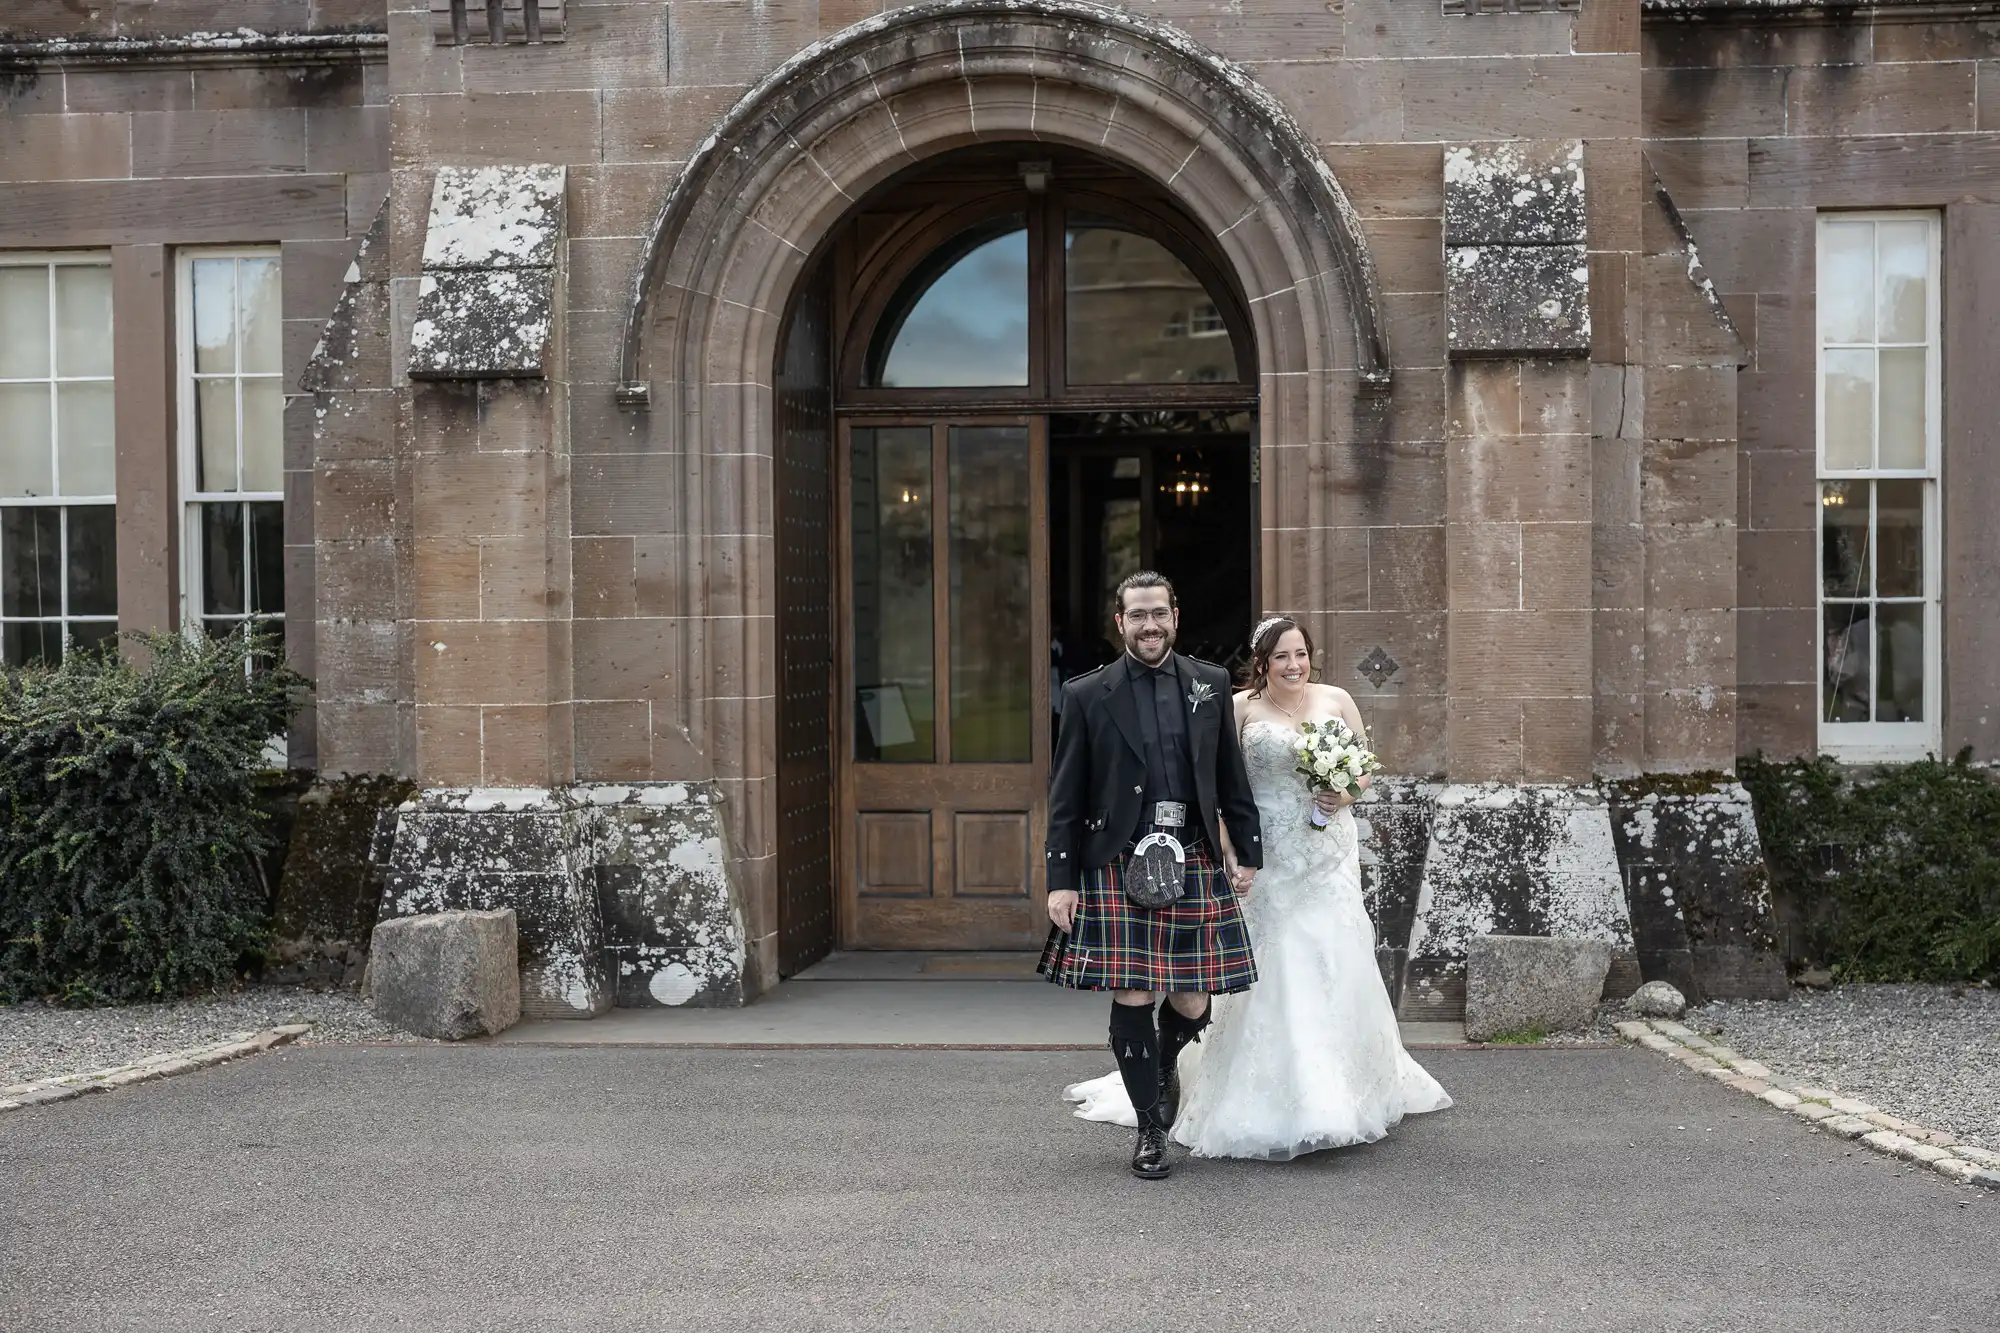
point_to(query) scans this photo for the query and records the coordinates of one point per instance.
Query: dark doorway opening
(1173, 491)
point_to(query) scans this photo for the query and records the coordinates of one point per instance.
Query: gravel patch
(37, 1041)
(1930, 1054)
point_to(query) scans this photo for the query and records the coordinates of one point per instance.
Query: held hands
(1062, 908)
(1240, 877)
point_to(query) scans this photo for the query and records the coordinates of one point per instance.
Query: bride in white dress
(1309, 1057)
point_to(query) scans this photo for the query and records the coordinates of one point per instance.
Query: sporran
(1156, 871)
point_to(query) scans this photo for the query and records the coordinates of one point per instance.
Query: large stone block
(1514, 982)
(449, 975)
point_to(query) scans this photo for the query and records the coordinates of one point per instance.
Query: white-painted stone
(673, 984)
(1784, 1101)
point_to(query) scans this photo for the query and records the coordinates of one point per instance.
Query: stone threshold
(63, 1088)
(1887, 1134)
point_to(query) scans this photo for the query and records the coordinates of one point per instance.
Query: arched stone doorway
(745, 223)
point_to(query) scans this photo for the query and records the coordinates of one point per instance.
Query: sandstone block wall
(142, 127)
(1756, 122)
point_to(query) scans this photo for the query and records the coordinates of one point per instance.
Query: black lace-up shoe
(1169, 1108)
(1149, 1154)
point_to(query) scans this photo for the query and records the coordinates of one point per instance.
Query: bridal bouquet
(1332, 758)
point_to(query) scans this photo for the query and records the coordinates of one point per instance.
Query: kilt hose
(1195, 944)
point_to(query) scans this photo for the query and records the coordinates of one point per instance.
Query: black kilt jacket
(1099, 777)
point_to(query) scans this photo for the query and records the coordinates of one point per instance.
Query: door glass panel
(961, 319)
(894, 676)
(1135, 314)
(992, 640)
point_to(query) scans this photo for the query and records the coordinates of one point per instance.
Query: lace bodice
(1284, 802)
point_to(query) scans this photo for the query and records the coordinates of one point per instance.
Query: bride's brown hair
(1264, 642)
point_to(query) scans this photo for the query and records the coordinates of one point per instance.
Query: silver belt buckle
(1170, 814)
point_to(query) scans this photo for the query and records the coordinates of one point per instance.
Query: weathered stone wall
(143, 127)
(622, 891)
(1757, 117)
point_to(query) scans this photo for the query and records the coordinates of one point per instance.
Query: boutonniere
(1200, 694)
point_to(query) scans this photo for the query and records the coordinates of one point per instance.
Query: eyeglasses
(1159, 615)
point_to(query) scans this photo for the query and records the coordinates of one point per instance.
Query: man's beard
(1163, 645)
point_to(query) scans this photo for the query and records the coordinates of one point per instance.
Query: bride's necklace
(1272, 695)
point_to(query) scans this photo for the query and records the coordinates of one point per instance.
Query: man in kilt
(1147, 772)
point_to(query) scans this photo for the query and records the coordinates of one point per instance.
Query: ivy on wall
(130, 827)
(1894, 873)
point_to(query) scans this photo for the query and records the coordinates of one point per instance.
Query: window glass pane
(1850, 409)
(273, 631)
(991, 650)
(30, 562)
(83, 319)
(215, 429)
(93, 560)
(267, 557)
(86, 443)
(962, 318)
(1903, 390)
(24, 322)
(1135, 314)
(260, 318)
(1899, 538)
(1847, 282)
(27, 644)
(1844, 553)
(214, 283)
(1903, 258)
(26, 462)
(1899, 677)
(222, 559)
(93, 635)
(1849, 662)
(894, 676)
(264, 434)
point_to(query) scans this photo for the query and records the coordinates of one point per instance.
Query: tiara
(1265, 624)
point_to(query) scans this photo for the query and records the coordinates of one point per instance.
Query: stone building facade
(1605, 389)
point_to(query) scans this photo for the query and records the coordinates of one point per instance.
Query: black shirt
(1160, 698)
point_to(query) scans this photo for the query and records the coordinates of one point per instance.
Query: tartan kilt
(1198, 943)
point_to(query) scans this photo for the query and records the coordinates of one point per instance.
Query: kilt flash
(1196, 944)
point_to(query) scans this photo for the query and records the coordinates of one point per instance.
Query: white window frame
(1873, 742)
(193, 615)
(50, 261)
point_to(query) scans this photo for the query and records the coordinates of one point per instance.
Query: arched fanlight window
(1135, 313)
(960, 319)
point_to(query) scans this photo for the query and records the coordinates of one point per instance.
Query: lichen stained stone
(1517, 276)
(486, 305)
(1514, 193)
(483, 324)
(1517, 299)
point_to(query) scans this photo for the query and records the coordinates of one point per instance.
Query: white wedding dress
(1310, 1056)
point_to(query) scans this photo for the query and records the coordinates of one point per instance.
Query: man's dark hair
(1145, 578)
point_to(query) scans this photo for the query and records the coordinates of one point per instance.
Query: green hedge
(130, 827)
(1894, 873)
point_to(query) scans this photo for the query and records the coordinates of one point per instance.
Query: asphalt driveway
(522, 1187)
